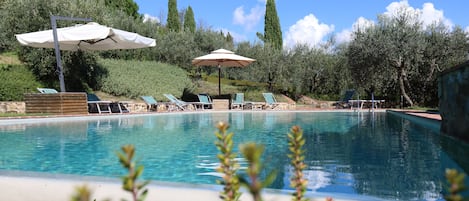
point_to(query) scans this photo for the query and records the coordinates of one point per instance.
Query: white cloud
(307, 31)
(430, 15)
(248, 21)
(346, 34)
(147, 17)
(467, 30)
(427, 14)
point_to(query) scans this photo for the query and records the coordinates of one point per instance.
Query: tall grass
(136, 78)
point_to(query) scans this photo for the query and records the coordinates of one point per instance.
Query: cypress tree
(229, 38)
(173, 17)
(272, 30)
(189, 21)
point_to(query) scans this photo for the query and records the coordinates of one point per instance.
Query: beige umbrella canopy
(222, 58)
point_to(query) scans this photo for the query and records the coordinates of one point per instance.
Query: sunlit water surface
(375, 154)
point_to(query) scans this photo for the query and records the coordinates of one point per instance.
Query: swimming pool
(375, 154)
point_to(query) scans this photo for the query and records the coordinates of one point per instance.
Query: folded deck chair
(238, 102)
(205, 101)
(270, 100)
(178, 103)
(47, 90)
(95, 104)
(344, 102)
(152, 104)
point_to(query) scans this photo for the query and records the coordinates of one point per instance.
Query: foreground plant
(295, 145)
(129, 182)
(228, 166)
(252, 153)
(456, 185)
(82, 193)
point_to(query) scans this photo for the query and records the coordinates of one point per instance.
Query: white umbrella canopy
(90, 36)
(222, 58)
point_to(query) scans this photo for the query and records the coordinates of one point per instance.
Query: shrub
(456, 185)
(228, 165)
(129, 182)
(16, 80)
(295, 145)
(252, 152)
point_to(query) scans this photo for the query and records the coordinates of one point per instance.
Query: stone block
(453, 94)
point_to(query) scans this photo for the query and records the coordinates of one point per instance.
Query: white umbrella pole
(53, 21)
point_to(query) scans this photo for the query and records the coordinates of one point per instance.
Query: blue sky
(306, 21)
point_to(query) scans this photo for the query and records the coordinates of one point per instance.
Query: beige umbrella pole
(219, 58)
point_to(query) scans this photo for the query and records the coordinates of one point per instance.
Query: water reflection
(356, 153)
(388, 157)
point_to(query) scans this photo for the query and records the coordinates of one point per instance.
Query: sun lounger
(238, 102)
(270, 101)
(152, 104)
(205, 101)
(96, 104)
(345, 102)
(182, 105)
(47, 90)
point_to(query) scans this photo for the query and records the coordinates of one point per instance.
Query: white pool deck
(27, 188)
(21, 186)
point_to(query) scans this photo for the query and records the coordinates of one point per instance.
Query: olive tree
(387, 53)
(400, 57)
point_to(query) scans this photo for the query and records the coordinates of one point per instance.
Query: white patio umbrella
(222, 58)
(90, 36)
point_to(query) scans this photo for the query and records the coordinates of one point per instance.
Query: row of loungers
(95, 104)
(205, 102)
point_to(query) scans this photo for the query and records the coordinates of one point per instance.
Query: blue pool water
(374, 154)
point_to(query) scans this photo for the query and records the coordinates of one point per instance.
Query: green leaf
(139, 171)
(270, 178)
(143, 195)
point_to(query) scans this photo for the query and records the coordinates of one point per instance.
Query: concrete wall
(453, 93)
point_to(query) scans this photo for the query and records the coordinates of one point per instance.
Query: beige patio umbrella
(90, 36)
(222, 58)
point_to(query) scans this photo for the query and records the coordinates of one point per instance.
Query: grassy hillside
(9, 58)
(133, 79)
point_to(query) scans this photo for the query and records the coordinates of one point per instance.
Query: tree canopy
(128, 6)
(399, 57)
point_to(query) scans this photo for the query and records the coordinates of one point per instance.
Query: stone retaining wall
(20, 107)
(453, 94)
(12, 107)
